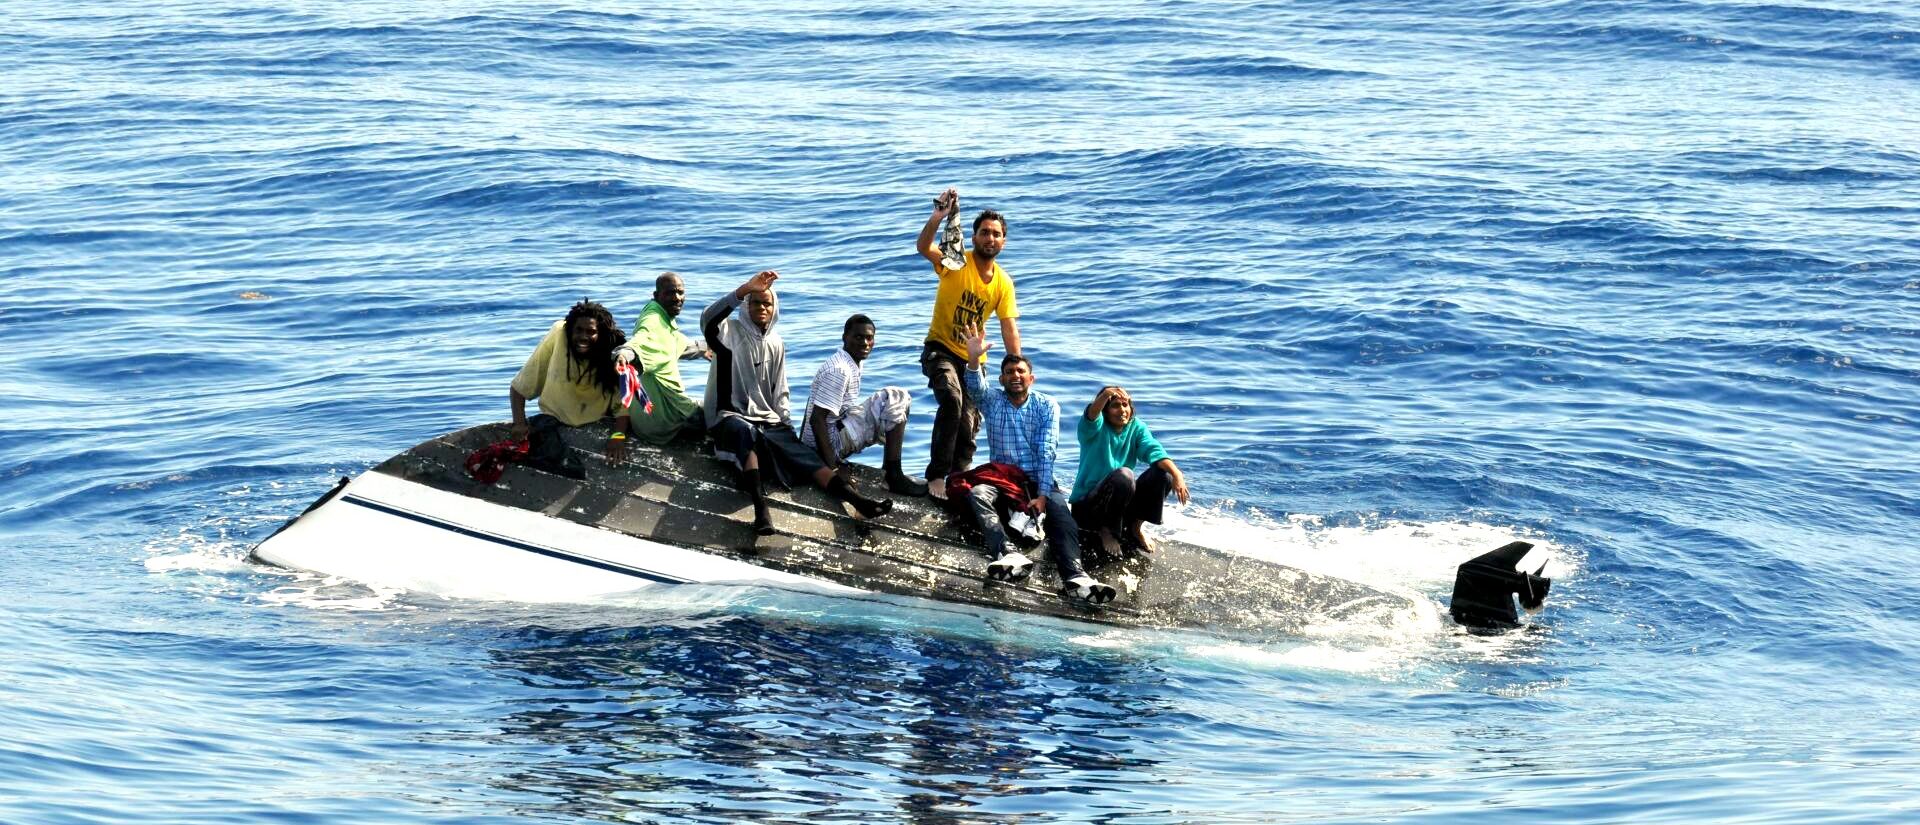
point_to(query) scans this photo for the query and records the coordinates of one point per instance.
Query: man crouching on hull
(746, 404)
(1023, 429)
(658, 346)
(840, 424)
(572, 373)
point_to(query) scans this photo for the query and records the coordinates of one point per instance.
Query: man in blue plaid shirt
(1023, 429)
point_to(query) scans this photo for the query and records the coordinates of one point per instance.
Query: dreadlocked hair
(600, 356)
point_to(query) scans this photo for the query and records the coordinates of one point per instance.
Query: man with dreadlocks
(747, 401)
(572, 373)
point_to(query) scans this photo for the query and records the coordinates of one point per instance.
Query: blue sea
(1396, 283)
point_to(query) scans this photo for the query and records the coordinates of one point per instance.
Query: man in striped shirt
(840, 424)
(1023, 429)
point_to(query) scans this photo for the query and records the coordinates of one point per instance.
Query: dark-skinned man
(572, 373)
(658, 347)
(746, 403)
(840, 424)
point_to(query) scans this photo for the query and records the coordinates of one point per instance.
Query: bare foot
(1138, 538)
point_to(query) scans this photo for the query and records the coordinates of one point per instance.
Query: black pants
(956, 421)
(1121, 498)
(547, 449)
(792, 462)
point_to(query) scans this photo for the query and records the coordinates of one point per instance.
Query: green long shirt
(658, 346)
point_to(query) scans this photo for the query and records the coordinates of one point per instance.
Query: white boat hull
(389, 532)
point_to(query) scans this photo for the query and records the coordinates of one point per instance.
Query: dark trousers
(1063, 534)
(791, 461)
(547, 449)
(1121, 498)
(956, 421)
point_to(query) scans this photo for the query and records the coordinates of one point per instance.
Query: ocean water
(1396, 282)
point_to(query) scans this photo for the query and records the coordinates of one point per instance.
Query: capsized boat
(672, 516)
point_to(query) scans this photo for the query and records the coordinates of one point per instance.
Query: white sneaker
(1011, 567)
(1089, 589)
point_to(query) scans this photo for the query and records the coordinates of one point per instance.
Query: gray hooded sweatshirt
(749, 377)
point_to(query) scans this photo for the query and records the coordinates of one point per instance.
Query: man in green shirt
(659, 347)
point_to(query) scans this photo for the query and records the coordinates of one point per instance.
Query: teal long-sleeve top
(1103, 450)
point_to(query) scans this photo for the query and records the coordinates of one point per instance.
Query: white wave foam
(1402, 556)
(189, 551)
(316, 592)
(1415, 560)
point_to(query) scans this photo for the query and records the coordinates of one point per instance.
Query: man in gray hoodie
(746, 403)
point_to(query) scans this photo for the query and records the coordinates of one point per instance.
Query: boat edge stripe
(516, 544)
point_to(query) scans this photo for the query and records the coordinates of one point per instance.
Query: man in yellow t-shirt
(572, 372)
(967, 295)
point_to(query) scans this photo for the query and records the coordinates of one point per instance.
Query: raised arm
(717, 311)
(977, 346)
(945, 203)
(713, 316)
(1099, 404)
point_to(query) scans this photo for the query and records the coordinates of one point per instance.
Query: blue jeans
(1063, 534)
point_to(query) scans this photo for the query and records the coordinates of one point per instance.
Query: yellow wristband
(617, 437)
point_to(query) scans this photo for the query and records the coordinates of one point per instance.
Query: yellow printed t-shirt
(566, 391)
(963, 301)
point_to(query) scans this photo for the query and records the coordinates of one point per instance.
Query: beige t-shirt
(575, 400)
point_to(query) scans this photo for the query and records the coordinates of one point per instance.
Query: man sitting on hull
(572, 372)
(659, 347)
(840, 424)
(747, 401)
(1023, 429)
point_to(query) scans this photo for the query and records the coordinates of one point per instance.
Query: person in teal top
(1107, 498)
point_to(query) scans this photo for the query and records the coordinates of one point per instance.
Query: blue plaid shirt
(1026, 436)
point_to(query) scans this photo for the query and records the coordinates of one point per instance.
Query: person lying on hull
(1107, 498)
(659, 347)
(1023, 429)
(840, 424)
(572, 372)
(746, 402)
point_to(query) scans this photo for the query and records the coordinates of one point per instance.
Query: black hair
(857, 320)
(600, 356)
(990, 215)
(662, 280)
(1012, 359)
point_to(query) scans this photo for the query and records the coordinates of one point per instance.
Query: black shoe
(899, 484)
(868, 508)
